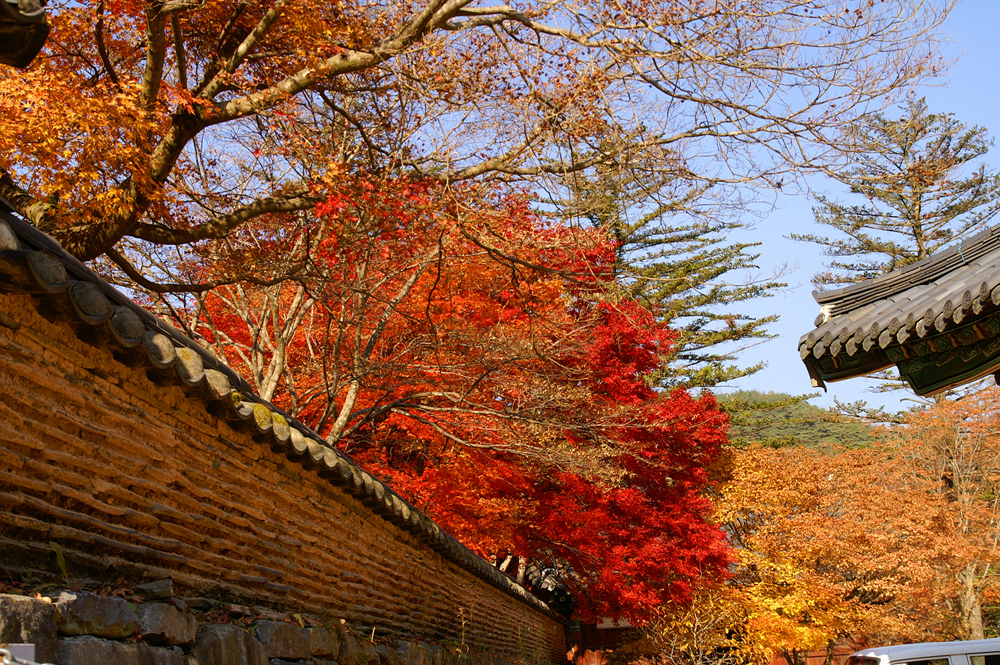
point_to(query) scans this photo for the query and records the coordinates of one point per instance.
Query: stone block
(411, 653)
(371, 655)
(283, 640)
(450, 656)
(224, 644)
(387, 655)
(350, 651)
(157, 590)
(419, 653)
(160, 623)
(150, 655)
(356, 650)
(89, 650)
(32, 621)
(178, 603)
(323, 642)
(90, 614)
(435, 654)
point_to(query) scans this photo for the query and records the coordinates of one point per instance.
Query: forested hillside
(780, 419)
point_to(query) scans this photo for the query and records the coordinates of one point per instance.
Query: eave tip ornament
(23, 30)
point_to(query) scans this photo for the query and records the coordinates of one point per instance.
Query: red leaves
(627, 346)
(473, 356)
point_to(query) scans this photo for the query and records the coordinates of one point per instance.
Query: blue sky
(971, 90)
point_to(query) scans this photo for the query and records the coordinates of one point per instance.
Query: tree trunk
(969, 606)
(831, 646)
(795, 656)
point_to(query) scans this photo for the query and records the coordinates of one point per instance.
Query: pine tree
(918, 195)
(672, 255)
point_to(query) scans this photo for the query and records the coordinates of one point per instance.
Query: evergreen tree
(672, 255)
(918, 194)
(776, 420)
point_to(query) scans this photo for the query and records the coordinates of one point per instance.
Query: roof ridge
(920, 272)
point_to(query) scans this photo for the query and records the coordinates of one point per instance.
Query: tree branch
(265, 23)
(119, 259)
(156, 51)
(102, 48)
(219, 227)
(175, 28)
(21, 201)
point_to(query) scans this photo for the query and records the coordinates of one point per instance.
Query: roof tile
(935, 296)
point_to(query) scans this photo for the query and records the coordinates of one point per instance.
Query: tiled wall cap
(127, 328)
(218, 385)
(48, 271)
(261, 417)
(189, 365)
(280, 429)
(160, 350)
(298, 442)
(8, 239)
(90, 304)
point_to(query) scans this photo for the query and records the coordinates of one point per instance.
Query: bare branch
(102, 48)
(221, 226)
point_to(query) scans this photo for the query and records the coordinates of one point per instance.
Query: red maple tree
(478, 359)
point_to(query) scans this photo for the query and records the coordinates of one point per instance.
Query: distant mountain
(780, 419)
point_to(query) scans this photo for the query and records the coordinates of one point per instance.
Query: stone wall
(149, 625)
(125, 456)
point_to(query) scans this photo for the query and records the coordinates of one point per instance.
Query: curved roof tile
(950, 290)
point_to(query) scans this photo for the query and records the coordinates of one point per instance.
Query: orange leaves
(64, 137)
(524, 96)
(866, 541)
(831, 544)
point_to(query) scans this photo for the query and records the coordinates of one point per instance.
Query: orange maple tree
(158, 124)
(894, 542)
(951, 452)
(832, 544)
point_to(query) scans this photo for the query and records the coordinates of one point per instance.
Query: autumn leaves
(453, 237)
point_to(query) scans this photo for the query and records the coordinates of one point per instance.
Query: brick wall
(139, 468)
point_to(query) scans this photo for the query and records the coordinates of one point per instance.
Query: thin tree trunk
(969, 606)
(831, 646)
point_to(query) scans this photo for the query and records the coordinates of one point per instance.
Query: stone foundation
(81, 628)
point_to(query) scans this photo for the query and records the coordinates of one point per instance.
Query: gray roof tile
(955, 286)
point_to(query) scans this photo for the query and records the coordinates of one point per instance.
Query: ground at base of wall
(149, 625)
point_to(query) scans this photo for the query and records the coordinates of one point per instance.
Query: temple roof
(936, 320)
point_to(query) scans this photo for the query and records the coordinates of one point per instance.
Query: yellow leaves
(61, 135)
